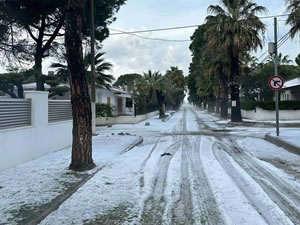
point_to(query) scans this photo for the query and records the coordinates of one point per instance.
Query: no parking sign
(276, 82)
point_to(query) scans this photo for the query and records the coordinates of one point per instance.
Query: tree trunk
(81, 106)
(236, 115)
(224, 98)
(218, 102)
(161, 104)
(20, 90)
(38, 56)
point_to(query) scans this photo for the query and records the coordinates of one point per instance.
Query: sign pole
(276, 74)
(93, 85)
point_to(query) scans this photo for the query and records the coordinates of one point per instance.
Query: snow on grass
(110, 197)
(31, 185)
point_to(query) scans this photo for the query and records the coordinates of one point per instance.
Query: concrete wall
(261, 114)
(20, 145)
(101, 121)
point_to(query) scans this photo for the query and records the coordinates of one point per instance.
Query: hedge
(103, 110)
(270, 105)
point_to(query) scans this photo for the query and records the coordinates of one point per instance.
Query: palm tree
(294, 16)
(157, 85)
(239, 29)
(102, 79)
(282, 59)
(177, 81)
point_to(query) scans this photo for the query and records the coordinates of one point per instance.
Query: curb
(279, 142)
(138, 142)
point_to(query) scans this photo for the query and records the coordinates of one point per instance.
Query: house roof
(292, 83)
(32, 85)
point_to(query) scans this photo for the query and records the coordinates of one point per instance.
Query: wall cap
(36, 92)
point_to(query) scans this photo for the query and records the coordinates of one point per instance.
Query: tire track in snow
(154, 205)
(205, 198)
(203, 194)
(250, 189)
(182, 211)
(285, 196)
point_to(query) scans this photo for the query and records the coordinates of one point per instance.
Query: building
(120, 100)
(290, 90)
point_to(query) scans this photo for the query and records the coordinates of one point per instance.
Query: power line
(279, 43)
(180, 27)
(147, 38)
(282, 40)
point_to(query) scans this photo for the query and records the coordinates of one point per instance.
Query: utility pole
(93, 88)
(276, 74)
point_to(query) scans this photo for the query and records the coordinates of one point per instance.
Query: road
(251, 185)
(190, 170)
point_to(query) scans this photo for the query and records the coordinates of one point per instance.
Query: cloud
(130, 54)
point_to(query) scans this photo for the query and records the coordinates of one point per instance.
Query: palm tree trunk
(81, 107)
(236, 115)
(218, 102)
(224, 97)
(161, 104)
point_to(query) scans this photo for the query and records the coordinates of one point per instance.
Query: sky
(130, 54)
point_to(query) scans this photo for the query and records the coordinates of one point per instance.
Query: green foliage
(127, 81)
(293, 18)
(297, 60)
(257, 80)
(104, 110)
(176, 93)
(8, 81)
(248, 105)
(270, 105)
(101, 77)
(43, 21)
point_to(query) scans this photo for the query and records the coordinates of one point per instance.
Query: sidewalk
(288, 138)
(30, 191)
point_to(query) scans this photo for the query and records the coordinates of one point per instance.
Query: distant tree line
(221, 62)
(155, 91)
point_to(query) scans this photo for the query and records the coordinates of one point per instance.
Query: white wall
(261, 114)
(293, 94)
(20, 145)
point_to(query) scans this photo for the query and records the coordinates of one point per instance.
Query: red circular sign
(276, 82)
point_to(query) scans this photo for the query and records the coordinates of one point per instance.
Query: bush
(104, 110)
(270, 105)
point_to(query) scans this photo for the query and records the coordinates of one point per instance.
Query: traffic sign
(276, 82)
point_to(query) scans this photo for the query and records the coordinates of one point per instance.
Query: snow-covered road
(191, 169)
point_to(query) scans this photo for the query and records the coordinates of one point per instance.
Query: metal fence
(59, 110)
(15, 113)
